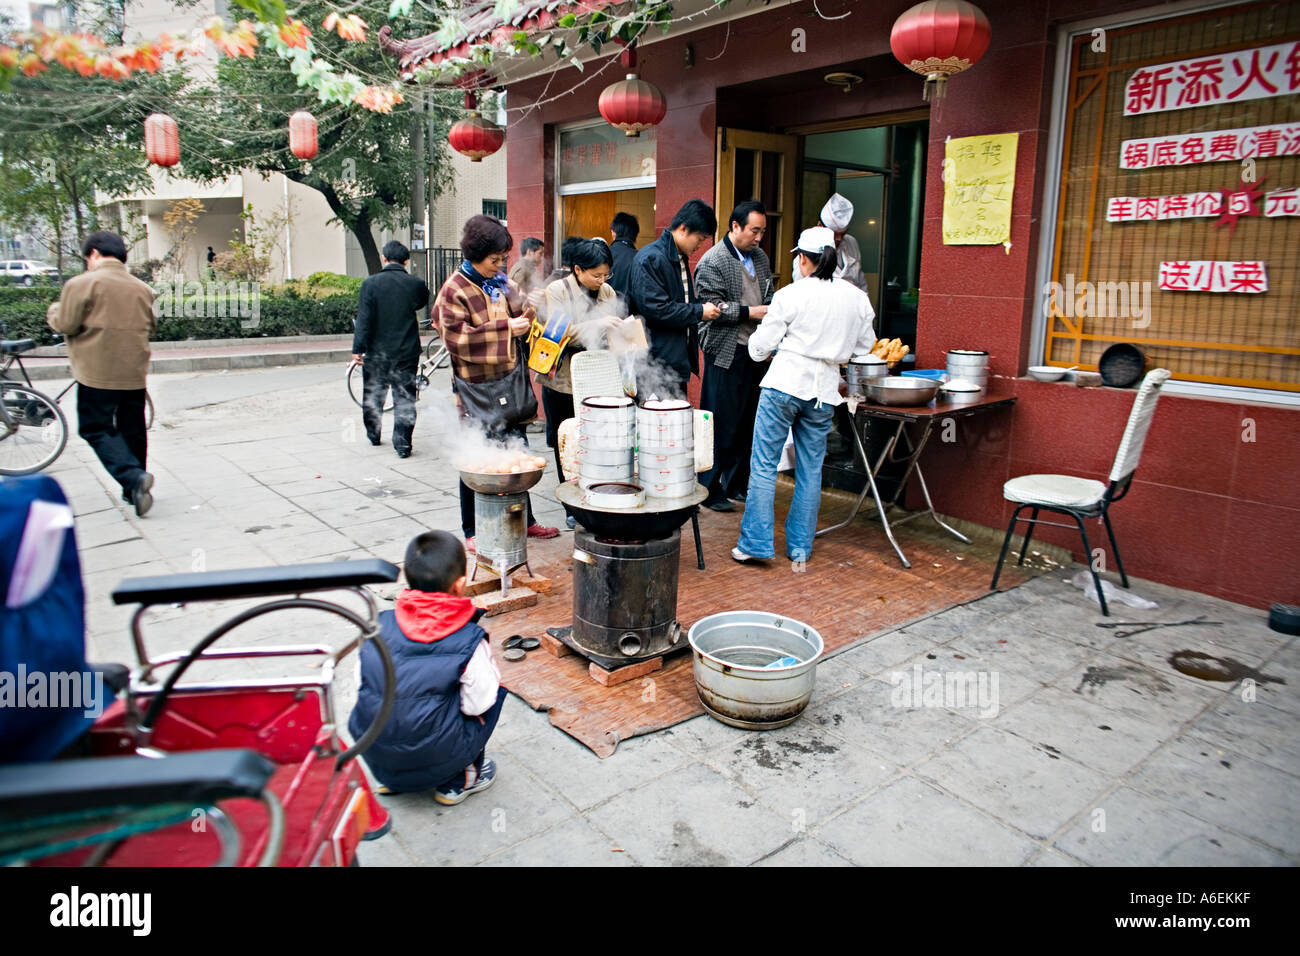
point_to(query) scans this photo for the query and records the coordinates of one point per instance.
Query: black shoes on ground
(140, 494)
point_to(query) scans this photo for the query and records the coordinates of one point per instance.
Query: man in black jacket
(663, 293)
(387, 345)
(624, 229)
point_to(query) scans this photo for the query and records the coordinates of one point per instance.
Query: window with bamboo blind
(1249, 339)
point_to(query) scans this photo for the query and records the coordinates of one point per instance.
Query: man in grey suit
(736, 274)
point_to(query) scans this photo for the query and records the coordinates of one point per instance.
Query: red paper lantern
(939, 39)
(162, 140)
(302, 135)
(474, 136)
(632, 105)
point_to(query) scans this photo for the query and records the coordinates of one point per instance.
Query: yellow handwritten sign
(979, 176)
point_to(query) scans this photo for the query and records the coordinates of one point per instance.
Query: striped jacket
(720, 278)
(479, 340)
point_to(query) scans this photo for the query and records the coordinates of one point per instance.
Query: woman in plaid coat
(480, 314)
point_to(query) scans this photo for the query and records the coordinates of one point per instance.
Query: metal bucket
(968, 365)
(861, 371)
(730, 651)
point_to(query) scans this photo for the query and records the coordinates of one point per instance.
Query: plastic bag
(1083, 579)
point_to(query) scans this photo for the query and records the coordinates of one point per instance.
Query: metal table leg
(914, 464)
(875, 493)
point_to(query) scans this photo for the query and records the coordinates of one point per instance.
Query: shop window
(1169, 128)
(599, 172)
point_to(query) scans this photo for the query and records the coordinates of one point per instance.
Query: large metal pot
(501, 484)
(901, 390)
(730, 653)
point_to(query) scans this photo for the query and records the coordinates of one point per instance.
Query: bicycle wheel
(355, 382)
(436, 353)
(33, 431)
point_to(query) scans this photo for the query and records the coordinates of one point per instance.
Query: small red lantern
(939, 39)
(474, 136)
(162, 140)
(302, 135)
(632, 105)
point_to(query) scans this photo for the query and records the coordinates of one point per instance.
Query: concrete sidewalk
(51, 362)
(1013, 730)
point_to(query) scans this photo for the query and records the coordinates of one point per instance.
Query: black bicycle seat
(13, 346)
(253, 582)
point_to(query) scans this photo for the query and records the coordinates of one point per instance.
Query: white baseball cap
(813, 240)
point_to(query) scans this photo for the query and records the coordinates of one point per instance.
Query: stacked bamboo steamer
(666, 448)
(607, 440)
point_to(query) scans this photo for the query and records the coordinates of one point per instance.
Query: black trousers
(378, 375)
(558, 407)
(467, 495)
(732, 395)
(112, 422)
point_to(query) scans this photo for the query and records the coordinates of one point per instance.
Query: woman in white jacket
(811, 328)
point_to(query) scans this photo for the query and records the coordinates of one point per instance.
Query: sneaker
(536, 530)
(742, 557)
(476, 779)
(469, 545)
(140, 496)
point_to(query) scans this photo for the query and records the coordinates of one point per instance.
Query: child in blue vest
(449, 692)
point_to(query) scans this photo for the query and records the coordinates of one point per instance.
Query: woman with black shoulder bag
(483, 320)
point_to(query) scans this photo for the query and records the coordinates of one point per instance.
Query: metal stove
(625, 563)
(501, 522)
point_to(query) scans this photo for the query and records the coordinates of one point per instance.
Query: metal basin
(501, 484)
(901, 390)
(730, 651)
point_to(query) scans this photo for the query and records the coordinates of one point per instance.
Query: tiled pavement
(1089, 749)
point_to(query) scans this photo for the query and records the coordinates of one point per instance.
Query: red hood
(427, 616)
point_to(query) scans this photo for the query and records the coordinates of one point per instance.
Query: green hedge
(277, 315)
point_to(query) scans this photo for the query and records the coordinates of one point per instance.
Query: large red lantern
(632, 105)
(162, 140)
(939, 39)
(474, 136)
(302, 135)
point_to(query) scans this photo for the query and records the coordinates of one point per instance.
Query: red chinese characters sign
(1201, 275)
(1214, 80)
(1138, 208)
(1211, 146)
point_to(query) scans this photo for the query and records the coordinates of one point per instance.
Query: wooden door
(761, 166)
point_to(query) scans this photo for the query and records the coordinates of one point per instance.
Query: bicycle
(436, 356)
(33, 431)
(12, 350)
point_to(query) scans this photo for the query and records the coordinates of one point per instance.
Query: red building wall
(1208, 511)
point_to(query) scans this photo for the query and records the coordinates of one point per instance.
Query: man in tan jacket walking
(107, 316)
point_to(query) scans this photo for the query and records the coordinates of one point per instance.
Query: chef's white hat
(836, 213)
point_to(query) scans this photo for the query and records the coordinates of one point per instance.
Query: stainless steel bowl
(501, 484)
(901, 390)
(731, 651)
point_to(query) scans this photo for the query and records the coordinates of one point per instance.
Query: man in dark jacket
(663, 293)
(624, 229)
(387, 345)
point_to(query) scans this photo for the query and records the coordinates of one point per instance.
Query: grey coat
(720, 278)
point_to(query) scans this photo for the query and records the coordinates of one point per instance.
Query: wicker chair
(1085, 497)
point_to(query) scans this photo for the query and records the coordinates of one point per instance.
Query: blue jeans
(778, 414)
